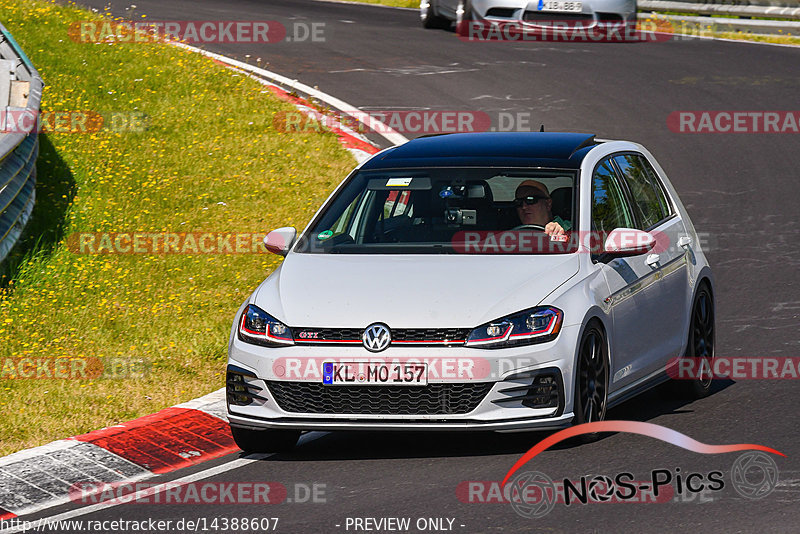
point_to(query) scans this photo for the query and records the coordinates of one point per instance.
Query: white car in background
(527, 13)
(415, 299)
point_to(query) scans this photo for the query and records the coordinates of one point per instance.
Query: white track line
(385, 131)
(42, 523)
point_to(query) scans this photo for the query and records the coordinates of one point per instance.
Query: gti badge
(376, 337)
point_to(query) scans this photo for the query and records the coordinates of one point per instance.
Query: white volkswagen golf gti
(489, 281)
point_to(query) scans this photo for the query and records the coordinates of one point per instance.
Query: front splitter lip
(544, 28)
(318, 423)
(532, 25)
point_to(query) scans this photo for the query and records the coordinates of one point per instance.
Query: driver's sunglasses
(530, 201)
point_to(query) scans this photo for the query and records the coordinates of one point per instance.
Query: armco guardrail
(736, 10)
(699, 16)
(765, 3)
(20, 94)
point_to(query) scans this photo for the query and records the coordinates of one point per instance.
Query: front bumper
(526, 13)
(509, 374)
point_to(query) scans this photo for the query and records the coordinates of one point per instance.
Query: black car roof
(489, 149)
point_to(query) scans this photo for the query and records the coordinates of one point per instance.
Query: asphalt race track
(741, 189)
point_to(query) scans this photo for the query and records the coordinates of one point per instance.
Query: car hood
(421, 291)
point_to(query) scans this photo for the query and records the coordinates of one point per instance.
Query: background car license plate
(559, 6)
(374, 374)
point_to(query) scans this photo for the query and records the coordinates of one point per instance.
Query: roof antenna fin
(541, 129)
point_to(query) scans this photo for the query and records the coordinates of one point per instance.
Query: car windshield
(445, 211)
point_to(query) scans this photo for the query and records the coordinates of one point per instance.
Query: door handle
(652, 260)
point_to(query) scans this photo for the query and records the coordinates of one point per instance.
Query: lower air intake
(433, 399)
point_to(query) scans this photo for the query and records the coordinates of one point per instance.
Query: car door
(655, 214)
(633, 296)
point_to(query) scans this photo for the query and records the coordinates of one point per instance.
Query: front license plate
(374, 374)
(559, 6)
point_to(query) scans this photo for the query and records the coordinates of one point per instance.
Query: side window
(397, 204)
(609, 208)
(345, 221)
(649, 199)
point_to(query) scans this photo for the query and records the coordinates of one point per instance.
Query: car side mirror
(622, 242)
(279, 241)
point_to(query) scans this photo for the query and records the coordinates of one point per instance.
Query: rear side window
(609, 208)
(649, 200)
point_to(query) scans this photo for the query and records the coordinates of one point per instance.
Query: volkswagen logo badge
(376, 337)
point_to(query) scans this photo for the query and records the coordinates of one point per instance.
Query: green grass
(711, 30)
(774, 39)
(713, 15)
(210, 160)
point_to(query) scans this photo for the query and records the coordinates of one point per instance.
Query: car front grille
(569, 20)
(501, 12)
(610, 17)
(438, 335)
(401, 336)
(312, 335)
(433, 399)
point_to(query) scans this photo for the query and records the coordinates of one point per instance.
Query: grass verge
(713, 30)
(209, 160)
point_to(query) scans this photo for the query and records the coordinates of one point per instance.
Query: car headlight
(260, 328)
(536, 325)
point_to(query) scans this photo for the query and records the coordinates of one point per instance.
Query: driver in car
(534, 209)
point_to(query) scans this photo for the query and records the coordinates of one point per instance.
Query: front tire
(265, 440)
(700, 345)
(591, 384)
(430, 19)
